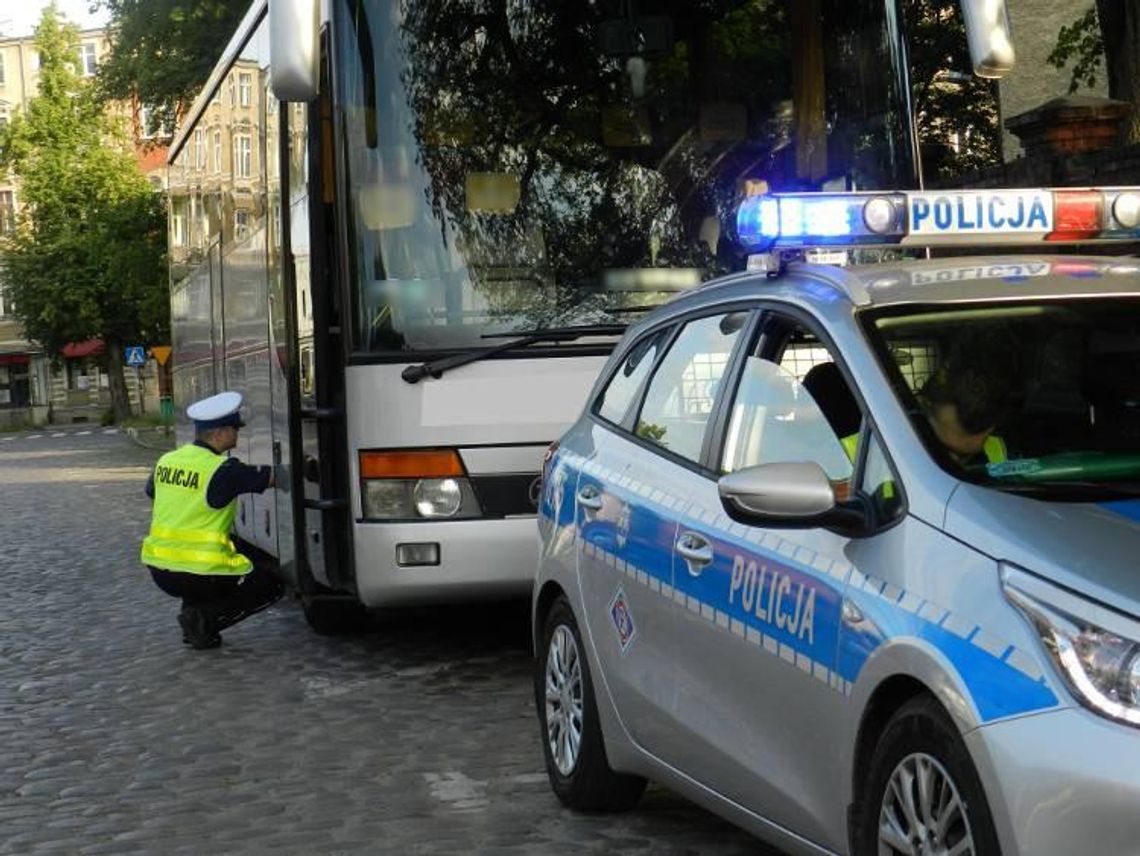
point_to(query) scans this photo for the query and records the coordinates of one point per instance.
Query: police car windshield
(1035, 397)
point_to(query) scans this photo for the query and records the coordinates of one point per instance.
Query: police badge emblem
(622, 620)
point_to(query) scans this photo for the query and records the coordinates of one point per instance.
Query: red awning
(74, 350)
(14, 359)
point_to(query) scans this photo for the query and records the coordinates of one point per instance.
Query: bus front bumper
(478, 559)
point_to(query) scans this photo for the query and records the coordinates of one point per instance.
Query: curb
(134, 434)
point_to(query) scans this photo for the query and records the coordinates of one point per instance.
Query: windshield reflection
(519, 165)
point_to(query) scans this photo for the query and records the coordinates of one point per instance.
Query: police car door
(758, 695)
(629, 496)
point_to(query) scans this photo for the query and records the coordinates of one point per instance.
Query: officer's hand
(282, 480)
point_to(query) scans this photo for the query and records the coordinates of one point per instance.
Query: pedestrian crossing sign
(136, 355)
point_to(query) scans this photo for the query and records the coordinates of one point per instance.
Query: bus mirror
(293, 49)
(987, 32)
(492, 192)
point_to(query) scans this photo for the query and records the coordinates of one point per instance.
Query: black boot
(197, 630)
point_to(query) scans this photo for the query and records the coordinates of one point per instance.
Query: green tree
(1105, 39)
(957, 112)
(163, 50)
(87, 259)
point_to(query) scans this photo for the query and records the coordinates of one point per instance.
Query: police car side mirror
(789, 496)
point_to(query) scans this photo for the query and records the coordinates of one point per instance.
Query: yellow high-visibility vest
(186, 534)
(994, 448)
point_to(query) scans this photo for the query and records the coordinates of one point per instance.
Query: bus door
(319, 497)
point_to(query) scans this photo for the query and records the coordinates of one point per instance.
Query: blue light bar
(819, 219)
(960, 218)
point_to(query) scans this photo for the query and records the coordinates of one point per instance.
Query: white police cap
(217, 411)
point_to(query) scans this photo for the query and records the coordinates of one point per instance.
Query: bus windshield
(523, 164)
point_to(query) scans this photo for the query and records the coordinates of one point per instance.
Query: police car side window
(879, 484)
(775, 420)
(626, 381)
(679, 401)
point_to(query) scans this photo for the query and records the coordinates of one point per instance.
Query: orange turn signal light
(421, 464)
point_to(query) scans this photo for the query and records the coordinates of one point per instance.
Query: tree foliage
(1106, 37)
(164, 50)
(1081, 43)
(951, 103)
(87, 259)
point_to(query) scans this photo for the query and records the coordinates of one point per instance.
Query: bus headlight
(1096, 650)
(418, 485)
(437, 497)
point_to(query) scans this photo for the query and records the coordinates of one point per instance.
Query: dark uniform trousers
(225, 600)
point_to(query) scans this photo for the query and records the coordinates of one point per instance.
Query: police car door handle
(695, 550)
(590, 497)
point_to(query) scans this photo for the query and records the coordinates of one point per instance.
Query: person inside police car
(188, 549)
(965, 401)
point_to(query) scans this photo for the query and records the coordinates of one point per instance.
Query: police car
(849, 555)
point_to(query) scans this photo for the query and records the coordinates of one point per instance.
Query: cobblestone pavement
(417, 737)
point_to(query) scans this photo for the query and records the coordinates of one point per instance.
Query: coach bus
(411, 232)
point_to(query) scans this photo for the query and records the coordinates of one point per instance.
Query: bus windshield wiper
(436, 368)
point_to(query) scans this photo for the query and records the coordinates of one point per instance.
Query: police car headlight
(1096, 650)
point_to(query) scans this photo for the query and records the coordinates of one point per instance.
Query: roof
(965, 279)
(962, 279)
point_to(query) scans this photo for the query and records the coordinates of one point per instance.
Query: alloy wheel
(564, 699)
(922, 812)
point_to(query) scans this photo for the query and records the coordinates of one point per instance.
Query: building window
(241, 225)
(87, 62)
(178, 230)
(245, 88)
(217, 151)
(2, 79)
(150, 125)
(200, 149)
(5, 304)
(243, 156)
(7, 211)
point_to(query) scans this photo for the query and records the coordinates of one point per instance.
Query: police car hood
(1091, 548)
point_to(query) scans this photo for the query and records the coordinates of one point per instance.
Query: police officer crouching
(188, 550)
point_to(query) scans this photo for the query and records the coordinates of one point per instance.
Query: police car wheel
(923, 795)
(572, 744)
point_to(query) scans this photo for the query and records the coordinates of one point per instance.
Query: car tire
(334, 616)
(920, 742)
(572, 743)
